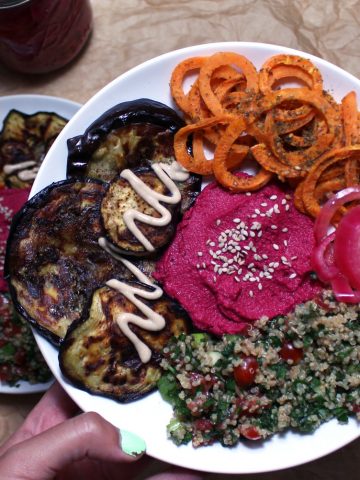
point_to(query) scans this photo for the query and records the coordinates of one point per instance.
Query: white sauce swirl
(23, 172)
(166, 173)
(152, 321)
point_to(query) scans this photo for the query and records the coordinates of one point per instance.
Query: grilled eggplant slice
(130, 135)
(119, 198)
(24, 142)
(53, 260)
(97, 357)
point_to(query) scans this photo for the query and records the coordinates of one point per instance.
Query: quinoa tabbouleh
(295, 371)
(20, 357)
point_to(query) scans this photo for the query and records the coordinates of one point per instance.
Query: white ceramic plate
(22, 387)
(30, 104)
(149, 416)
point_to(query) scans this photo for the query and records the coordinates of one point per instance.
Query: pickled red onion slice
(323, 221)
(336, 257)
(347, 246)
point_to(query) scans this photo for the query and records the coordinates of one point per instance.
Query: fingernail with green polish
(131, 444)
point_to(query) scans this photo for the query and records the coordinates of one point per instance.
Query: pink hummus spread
(238, 257)
(11, 200)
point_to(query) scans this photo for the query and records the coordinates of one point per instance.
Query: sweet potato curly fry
(333, 157)
(218, 60)
(177, 79)
(279, 67)
(221, 171)
(299, 134)
(196, 163)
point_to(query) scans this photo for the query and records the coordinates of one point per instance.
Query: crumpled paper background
(128, 32)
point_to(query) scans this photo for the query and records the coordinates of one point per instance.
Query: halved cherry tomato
(251, 433)
(289, 352)
(245, 373)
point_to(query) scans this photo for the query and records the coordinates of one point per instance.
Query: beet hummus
(11, 200)
(238, 257)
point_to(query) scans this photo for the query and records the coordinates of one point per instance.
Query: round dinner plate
(149, 416)
(30, 104)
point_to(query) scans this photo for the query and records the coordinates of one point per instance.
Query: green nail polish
(131, 444)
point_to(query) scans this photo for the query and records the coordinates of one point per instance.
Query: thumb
(85, 436)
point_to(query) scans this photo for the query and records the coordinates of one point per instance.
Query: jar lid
(12, 3)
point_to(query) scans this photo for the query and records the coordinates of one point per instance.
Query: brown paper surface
(128, 32)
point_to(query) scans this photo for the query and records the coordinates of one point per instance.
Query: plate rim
(189, 50)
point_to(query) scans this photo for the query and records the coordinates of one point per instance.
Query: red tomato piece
(251, 433)
(347, 246)
(289, 352)
(245, 373)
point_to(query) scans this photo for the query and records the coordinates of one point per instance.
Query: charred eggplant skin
(119, 197)
(107, 146)
(53, 260)
(138, 111)
(26, 138)
(96, 357)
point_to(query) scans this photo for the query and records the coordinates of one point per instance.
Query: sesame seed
(273, 197)
(257, 211)
(251, 293)
(212, 244)
(275, 246)
(273, 227)
(237, 279)
(200, 254)
(236, 220)
(285, 243)
(287, 207)
(284, 230)
(248, 194)
(283, 201)
(260, 286)
(293, 275)
(218, 222)
(276, 264)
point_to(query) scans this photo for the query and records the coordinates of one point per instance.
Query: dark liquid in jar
(39, 36)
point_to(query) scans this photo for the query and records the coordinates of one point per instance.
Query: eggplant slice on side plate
(24, 142)
(130, 135)
(98, 358)
(53, 260)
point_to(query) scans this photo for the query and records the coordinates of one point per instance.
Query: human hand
(53, 443)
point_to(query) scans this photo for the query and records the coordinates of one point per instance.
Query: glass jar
(39, 36)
